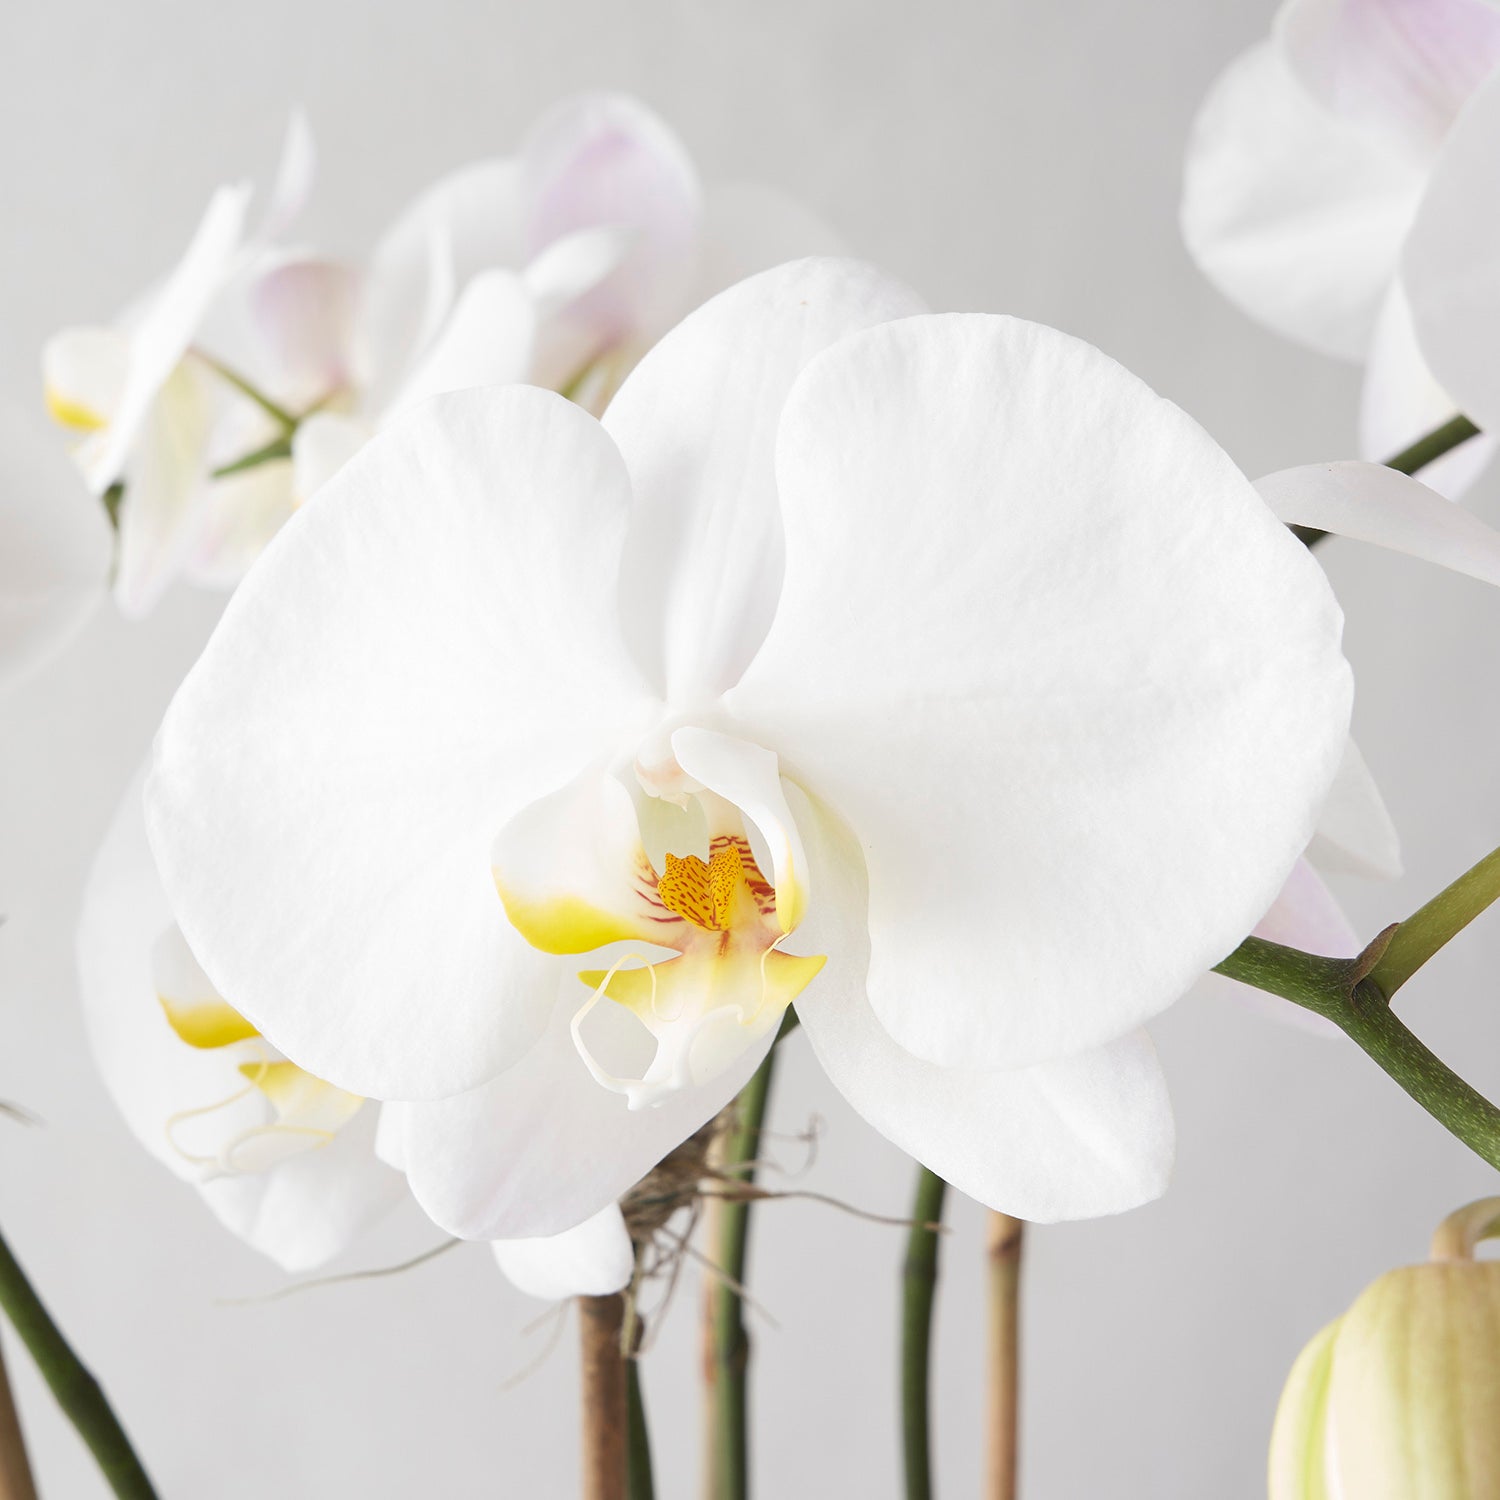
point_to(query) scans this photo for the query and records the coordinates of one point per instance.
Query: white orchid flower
(558, 266)
(286, 1161)
(1304, 174)
(157, 398)
(932, 673)
(54, 549)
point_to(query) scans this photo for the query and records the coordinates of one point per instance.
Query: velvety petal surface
(1077, 692)
(1295, 215)
(592, 1260)
(697, 424)
(1075, 1139)
(55, 546)
(1372, 503)
(427, 647)
(543, 1147)
(1451, 264)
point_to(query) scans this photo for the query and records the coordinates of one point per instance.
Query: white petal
(55, 546)
(749, 228)
(1400, 67)
(292, 186)
(1295, 215)
(696, 422)
(1451, 264)
(1067, 1140)
(605, 159)
(168, 326)
(163, 479)
(428, 646)
(575, 264)
(234, 520)
(321, 446)
(487, 340)
(83, 375)
(1372, 503)
(466, 222)
(1307, 916)
(1355, 833)
(592, 1260)
(314, 1206)
(748, 776)
(1401, 401)
(1040, 643)
(543, 1147)
(302, 312)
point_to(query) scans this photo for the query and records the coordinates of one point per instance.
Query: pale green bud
(1400, 1398)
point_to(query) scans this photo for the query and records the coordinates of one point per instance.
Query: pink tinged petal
(168, 326)
(487, 340)
(591, 1260)
(567, 268)
(605, 159)
(1074, 1139)
(749, 228)
(1401, 401)
(55, 547)
(1402, 67)
(1077, 692)
(427, 648)
(302, 312)
(696, 422)
(749, 776)
(321, 446)
(1355, 833)
(466, 222)
(1372, 503)
(164, 481)
(233, 522)
(1295, 215)
(543, 1147)
(1451, 264)
(1305, 915)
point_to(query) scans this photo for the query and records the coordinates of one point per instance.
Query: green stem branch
(919, 1274)
(76, 1390)
(727, 1357)
(1433, 445)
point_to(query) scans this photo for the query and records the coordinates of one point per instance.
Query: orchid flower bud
(1400, 1397)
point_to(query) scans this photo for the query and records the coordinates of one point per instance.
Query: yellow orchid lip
(67, 412)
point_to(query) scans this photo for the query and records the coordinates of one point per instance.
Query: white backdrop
(1001, 155)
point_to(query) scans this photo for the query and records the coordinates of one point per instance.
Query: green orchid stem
(638, 1478)
(76, 1390)
(272, 409)
(1344, 991)
(1427, 450)
(278, 449)
(726, 1363)
(919, 1275)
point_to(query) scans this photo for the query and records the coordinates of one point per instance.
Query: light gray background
(1006, 156)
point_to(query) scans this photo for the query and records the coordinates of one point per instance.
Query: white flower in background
(932, 673)
(286, 1161)
(157, 398)
(558, 266)
(54, 549)
(1304, 174)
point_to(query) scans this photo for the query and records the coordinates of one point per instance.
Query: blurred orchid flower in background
(1305, 171)
(174, 388)
(54, 548)
(558, 266)
(928, 671)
